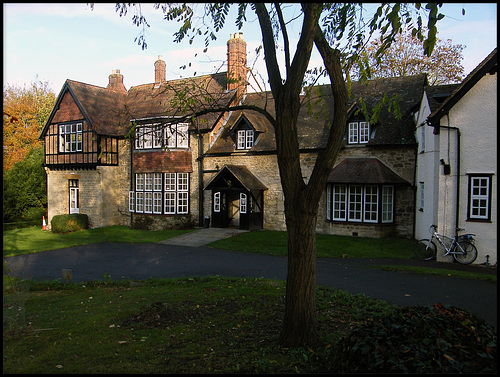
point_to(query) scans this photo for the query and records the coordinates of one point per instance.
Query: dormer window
(244, 134)
(245, 139)
(358, 133)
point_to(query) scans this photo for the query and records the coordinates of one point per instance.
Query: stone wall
(103, 192)
(265, 168)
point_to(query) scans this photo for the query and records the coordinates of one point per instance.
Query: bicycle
(461, 247)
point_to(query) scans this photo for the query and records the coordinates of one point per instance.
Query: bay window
(360, 203)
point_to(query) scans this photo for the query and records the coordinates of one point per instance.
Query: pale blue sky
(69, 41)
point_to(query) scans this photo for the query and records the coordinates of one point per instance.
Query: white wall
(475, 115)
(426, 171)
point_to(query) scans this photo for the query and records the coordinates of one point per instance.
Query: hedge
(69, 223)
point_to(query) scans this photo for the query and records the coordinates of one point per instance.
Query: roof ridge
(181, 79)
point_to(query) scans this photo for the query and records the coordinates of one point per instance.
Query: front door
(220, 217)
(74, 206)
(228, 207)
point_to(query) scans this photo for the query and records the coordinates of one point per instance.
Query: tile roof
(241, 174)
(110, 112)
(364, 171)
(104, 108)
(315, 115)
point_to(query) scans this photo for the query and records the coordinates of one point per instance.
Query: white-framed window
(243, 203)
(353, 133)
(182, 181)
(71, 137)
(245, 139)
(157, 202)
(182, 202)
(160, 193)
(360, 203)
(139, 202)
(479, 207)
(182, 193)
(148, 181)
(170, 202)
(358, 132)
(139, 182)
(182, 135)
(370, 213)
(364, 132)
(176, 135)
(340, 202)
(217, 202)
(143, 137)
(355, 209)
(387, 204)
(157, 136)
(148, 202)
(131, 201)
(157, 181)
(170, 182)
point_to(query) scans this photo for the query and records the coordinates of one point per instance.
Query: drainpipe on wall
(200, 178)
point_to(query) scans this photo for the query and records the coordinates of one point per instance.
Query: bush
(69, 223)
(437, 339)
(25, 187)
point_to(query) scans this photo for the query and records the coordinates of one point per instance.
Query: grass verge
(486, 276)
(328, 246)
(34, 239)
(193, 325)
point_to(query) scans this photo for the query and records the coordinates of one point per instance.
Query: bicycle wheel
(425, 250)
(469, 255)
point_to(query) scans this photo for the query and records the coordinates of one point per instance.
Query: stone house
(137, 157)
(456, 172)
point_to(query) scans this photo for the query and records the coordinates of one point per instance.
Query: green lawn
(328, 246)
(194, 325)
(34, 239)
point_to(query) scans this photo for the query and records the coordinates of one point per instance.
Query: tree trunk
(300, 324)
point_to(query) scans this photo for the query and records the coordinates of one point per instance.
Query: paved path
(202, 237)
(163, 260)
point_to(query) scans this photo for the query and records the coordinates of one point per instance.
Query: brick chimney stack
(116, 82)
(160, 70)
(237, 65)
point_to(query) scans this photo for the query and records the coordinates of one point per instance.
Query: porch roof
(364, 171)
(240, 173)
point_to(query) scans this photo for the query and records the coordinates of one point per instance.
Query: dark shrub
(437, 339)
(69, 223)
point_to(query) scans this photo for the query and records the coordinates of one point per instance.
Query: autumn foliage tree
(339, 32)
(405, 57)
(25, 111)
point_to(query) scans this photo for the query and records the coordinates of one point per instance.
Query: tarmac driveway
(158, 260)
